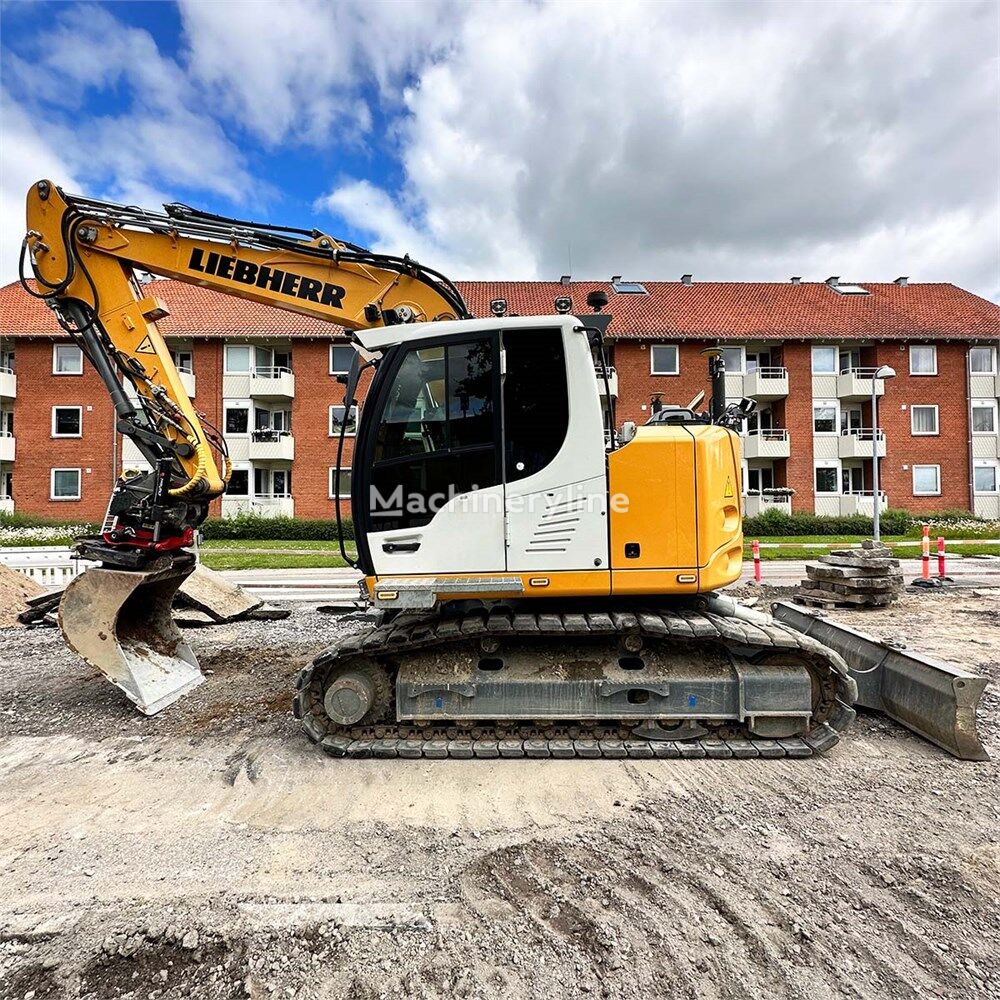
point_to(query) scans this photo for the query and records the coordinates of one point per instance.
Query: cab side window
(438, 434)
(536, 400)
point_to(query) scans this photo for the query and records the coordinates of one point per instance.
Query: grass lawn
(272, 559)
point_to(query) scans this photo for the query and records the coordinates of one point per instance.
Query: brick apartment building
(806, 352)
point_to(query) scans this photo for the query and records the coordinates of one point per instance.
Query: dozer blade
(933, 699)
(120, 622)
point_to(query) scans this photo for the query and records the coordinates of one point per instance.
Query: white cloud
(737, 142)
(26, 158)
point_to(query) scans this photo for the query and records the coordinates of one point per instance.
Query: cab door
(436, 497)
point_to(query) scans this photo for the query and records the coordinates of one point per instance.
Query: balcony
(766, 383)
(982, 385)
(271, 385)
(6, 446)
(767, 442)
(612, 381)
(859, 442)
(260, 504)
(8, 383)
(734, 385)
(271, 446)
(845, 504)
(755, 504)
(857, 384)
(6, 505)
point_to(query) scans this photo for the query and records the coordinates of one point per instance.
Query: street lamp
(885, 372)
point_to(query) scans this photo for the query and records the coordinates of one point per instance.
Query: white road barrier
(49, 565)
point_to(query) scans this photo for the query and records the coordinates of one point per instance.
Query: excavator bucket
(120, 622)
(932, 698)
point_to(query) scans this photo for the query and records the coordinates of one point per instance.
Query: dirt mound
(15, 589)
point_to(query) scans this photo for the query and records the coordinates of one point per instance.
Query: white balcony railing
(260, 383)
(862, 502)
(612, 380)
(6, 505)
(858, 383)
(860, 442)
(760, 503)
(260, 504)
(271, 445)
(8, 383)
(7, 446)
(767, 442)
(766, 383)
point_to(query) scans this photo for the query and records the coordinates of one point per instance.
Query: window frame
(334, 432)
(338, 371)
(834, 467)
(923, 347)
(71, 406)
(986, 464)
(677, 359)
(226, 370)
(52, 484)
(247, 408)
(55, 355)
(175, 356)
(937, 419)
(983, 404)
(993, 358)
(826, 404)
(836, 358)
(913, 477)
(332, 476)
(742, 370)
(239, 496)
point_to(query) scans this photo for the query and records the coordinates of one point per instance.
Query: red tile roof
(703, 310)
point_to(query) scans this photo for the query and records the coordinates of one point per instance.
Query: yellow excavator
(545, 584)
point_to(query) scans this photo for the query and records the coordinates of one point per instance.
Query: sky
(525, 140)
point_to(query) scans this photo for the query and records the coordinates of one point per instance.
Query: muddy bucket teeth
(120, 622)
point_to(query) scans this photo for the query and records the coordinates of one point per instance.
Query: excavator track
(368, 658)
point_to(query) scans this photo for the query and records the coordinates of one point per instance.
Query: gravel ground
(212, 852)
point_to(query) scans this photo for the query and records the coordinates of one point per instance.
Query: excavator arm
(85, 256)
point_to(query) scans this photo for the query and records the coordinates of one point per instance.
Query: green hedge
(250, 526)
(776, 522)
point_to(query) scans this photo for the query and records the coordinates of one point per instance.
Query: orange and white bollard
(941, 572)
(925, 544)
(755, 548)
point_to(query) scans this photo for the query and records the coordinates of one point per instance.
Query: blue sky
(529, 138)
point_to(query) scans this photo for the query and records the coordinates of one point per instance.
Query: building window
(984, 416)
(238, 358)
(337, 418)
(237, 420)
(923, 420)
(923, 360)
(183, 361)
(824, 417)
(67, 421)
(340, 359)
(984, 478)
(983, 360)
(67, 359)
(663, 360)
(64, 484)
(824, 360)
(732, 358)
(926, 480)
(340, 488)
(827, 479)
(239, 483)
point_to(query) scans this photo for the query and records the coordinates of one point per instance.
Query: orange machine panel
(674, 505)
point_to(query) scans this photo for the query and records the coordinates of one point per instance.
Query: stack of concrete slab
(852, 578)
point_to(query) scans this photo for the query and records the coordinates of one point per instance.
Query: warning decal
(145, 346)
(728, 494)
